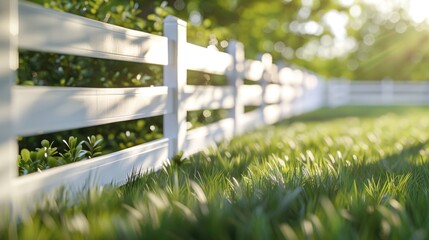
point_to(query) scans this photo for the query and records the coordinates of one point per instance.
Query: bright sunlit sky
(419, 10)
(390, 12)
(416, 10)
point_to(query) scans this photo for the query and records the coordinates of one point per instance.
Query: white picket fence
(27, 111)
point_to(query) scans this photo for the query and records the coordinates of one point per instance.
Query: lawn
(344, 173)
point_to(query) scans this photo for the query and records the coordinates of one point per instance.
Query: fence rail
(47, 30)
(385, 92)
(61, 108)
(32, 110)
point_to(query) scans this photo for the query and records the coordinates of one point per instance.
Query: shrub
(48, 156)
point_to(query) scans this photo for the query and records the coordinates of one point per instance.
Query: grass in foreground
(346, 173)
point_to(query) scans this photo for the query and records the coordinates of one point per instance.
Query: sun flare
(419, 10)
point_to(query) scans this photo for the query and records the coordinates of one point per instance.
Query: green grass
(345, 173)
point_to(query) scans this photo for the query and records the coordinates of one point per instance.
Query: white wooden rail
(60, 108)
(53, 31)
(25, 111)
(385, 92)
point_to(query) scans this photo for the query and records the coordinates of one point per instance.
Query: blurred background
(354, 39)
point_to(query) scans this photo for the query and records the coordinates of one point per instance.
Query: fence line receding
(280, 93)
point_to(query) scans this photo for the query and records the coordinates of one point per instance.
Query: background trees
(346, 38)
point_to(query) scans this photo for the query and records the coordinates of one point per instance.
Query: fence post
(175, 74)
(275, 78)
(235, 79)
(280, 78)
(267, 62)
(8, 65)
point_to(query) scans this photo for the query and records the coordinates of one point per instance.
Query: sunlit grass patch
(345, 173)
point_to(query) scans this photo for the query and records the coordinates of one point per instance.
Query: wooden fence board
(47, 30)
(47, 109)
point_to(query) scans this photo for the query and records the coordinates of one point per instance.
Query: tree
(391, 46)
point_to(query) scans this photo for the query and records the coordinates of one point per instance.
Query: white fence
(385, 92)
(26, 111)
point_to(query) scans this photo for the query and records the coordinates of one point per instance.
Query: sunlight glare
(419, 10)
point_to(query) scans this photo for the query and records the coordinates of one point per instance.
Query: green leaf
(40, 154)
(120, 8)
(81, 154)
(97, 142)
(66, 143)
(177, 159)
(45, 143)
(78, 148)
(25, 155)
(52, 162)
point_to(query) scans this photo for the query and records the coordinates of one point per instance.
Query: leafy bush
(47, 69)
(47, 156)
(94, 146)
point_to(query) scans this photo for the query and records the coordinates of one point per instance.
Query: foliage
(42, 158)
(344, 173)
(74, 151)
(116, 136)
(198, 78)
(139, 15)
(200, 118)
(46, 69)
(48, 157)
(94, 146)
(389, 42)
